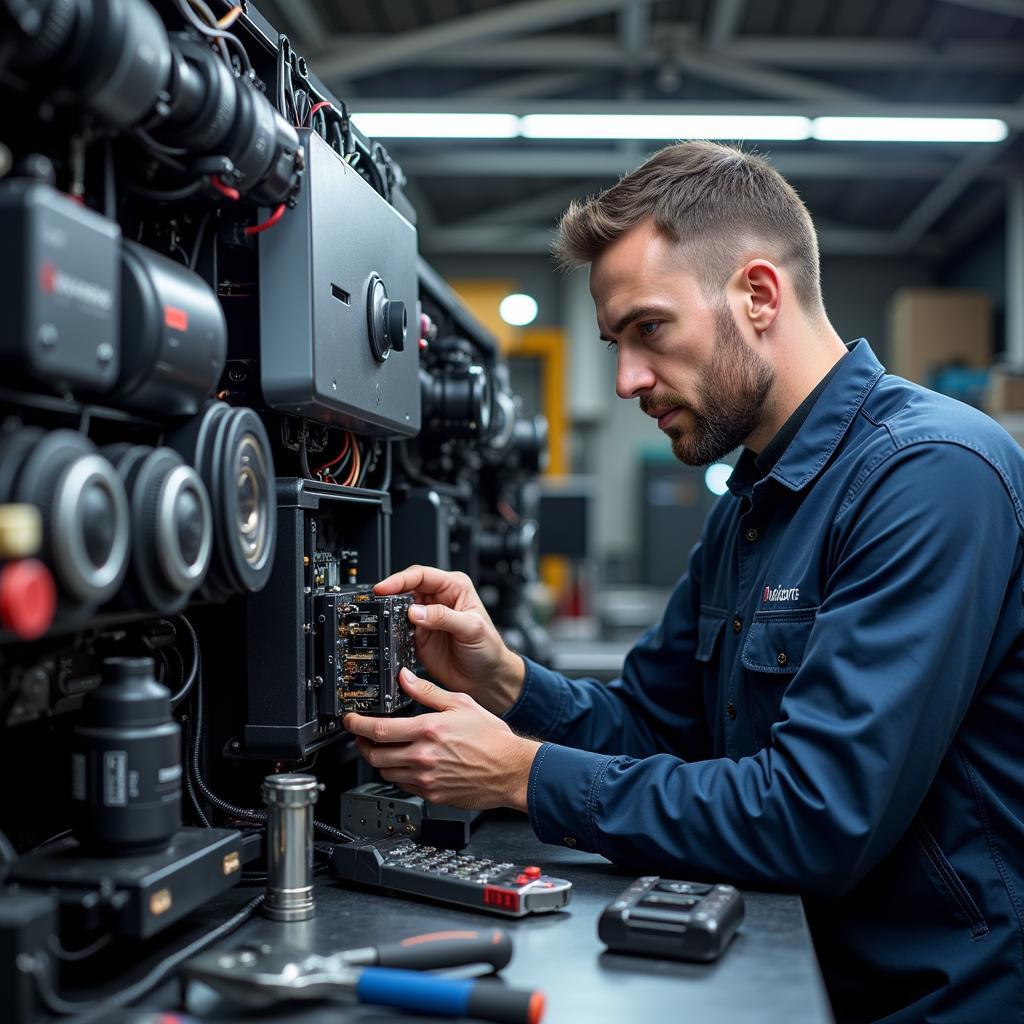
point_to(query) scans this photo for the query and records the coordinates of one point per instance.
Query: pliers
(261, 974)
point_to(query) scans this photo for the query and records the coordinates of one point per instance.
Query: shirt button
(730, 711)
(782, 659)
(751, 535)
(568, 840)
(737, 625)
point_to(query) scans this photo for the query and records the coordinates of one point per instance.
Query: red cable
(224, 190)
(316, 107)
(255, 229)
(337, 458)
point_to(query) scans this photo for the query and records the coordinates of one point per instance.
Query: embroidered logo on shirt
(781, 594)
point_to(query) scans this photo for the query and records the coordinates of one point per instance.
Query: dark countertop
(768, 974)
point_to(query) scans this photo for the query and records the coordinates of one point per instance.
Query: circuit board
(364, 640)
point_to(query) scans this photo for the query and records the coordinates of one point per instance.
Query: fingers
(465, 626)
(384, 730)
(424, 579)
(395, 755)
(427, 693)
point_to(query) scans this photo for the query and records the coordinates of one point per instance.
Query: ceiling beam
(540, 84)
(725, 21)
(566, 50)
(765, 81)
(583, 163)
(944, 195)
(355, 60)
(1009, 8)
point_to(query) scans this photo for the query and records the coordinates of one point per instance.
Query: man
(834, 699)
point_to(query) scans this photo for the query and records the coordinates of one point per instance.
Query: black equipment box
(679, 920)
(378, 809)
(141, 895)
(60, 289)
(325, 534)
(339, 324)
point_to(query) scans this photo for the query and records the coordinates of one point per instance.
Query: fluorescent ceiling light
(438, 126)
(680, 126)
(664, 126)
(909, 129)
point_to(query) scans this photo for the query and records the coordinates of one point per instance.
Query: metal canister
(290, 800)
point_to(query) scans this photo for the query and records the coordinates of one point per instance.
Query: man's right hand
(455, 638)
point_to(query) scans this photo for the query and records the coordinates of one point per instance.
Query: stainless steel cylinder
(290, 800)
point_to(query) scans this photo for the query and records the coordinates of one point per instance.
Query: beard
(731, 395)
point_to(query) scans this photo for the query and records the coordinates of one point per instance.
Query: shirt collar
(825, 426)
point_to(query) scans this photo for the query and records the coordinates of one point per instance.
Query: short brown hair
(710, 198)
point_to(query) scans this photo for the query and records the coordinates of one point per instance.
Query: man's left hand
(461, 755)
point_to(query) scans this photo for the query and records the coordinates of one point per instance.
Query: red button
(521, 880)
(532, 871)
(28, 598)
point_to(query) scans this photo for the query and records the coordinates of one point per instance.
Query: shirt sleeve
(904, 636)
(656, 705)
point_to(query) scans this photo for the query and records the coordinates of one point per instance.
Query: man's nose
(633, 377)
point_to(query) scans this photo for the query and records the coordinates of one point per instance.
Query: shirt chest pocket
(772, 654)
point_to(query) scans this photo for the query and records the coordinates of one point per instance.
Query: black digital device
(666, 917)
(409, 868)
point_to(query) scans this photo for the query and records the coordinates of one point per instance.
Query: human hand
(455, 638)
(461, 755)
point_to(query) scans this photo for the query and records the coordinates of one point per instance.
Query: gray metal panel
(315, 354)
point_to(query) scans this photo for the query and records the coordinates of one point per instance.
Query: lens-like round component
(231, 452)
(457, 400)
(85, 514)
(172, 527)
(113, 55)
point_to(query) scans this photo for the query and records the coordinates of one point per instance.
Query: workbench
(768, 974)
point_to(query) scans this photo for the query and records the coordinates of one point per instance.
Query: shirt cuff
(562, 796)
(539, 707)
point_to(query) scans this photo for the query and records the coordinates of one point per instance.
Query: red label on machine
(176, 319)
(507, 899)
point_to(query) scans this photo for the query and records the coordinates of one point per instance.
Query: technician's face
(682, 356)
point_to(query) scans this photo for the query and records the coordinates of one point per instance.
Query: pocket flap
(777, 645)
(708, 629)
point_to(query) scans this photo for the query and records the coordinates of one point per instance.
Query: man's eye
(652, 324)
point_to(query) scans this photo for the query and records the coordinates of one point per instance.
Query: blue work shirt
(833, 703)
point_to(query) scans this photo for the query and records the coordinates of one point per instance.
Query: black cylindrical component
(203, 99)
(510, 542)
(174, 336)
(213, 113)
(171, 527)
(457, 400)
(126, 762)
(112, 55)
(230, 450)
(529, 444)
(84, 508)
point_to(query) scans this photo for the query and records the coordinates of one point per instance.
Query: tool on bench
(261, 974)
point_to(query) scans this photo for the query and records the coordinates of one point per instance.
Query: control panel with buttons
(665, 917)
(409, 868)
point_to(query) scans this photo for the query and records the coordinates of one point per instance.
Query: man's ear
(762, 287)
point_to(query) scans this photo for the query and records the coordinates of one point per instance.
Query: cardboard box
(930, 328)
(1005, 392)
